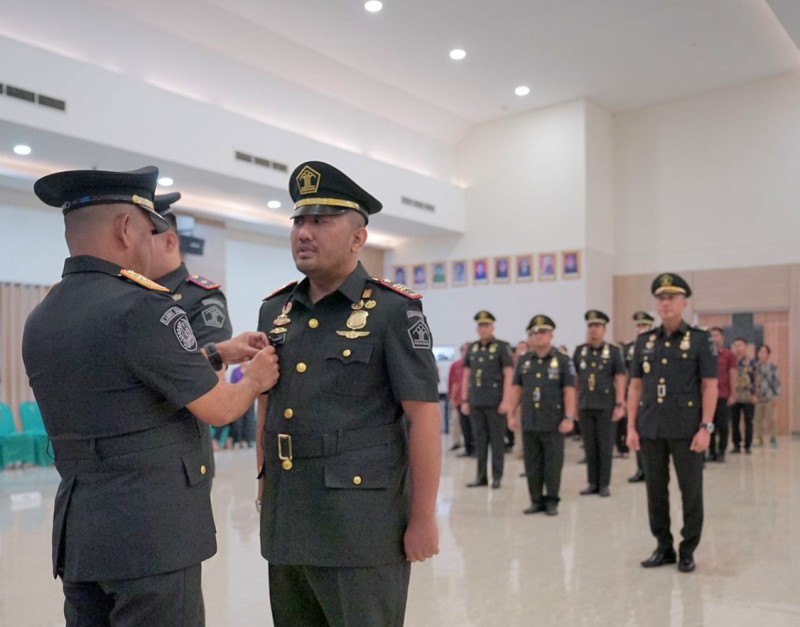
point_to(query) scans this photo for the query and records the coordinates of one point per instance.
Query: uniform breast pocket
(348, 364)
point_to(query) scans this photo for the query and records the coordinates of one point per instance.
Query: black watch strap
(214, 358)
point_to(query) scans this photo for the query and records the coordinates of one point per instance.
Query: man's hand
(633, 439)
(619, 413)
(700, 441)
(263, 369)
(465, 408)
(513, 422)
(565, 426)
(242, 347)
(502, 408)
(731, 401)
(421, 539)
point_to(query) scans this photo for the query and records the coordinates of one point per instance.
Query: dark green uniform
(596, 368)
(627, 350)
(112, 365)
(543, 380)
(671, 368)
(207, 309)
(486, 362)
(336, 498)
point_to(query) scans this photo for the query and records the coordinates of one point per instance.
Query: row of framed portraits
(485, 270)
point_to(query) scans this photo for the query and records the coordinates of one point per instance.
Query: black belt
(112, 446)
(336, 442)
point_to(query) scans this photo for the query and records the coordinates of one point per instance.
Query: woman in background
(768, 389)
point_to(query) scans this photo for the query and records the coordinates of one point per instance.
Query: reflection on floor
(496, 567)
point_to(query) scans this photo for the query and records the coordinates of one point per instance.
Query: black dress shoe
(639, 476)
(523, 474)
(455, 447)
(589, 489)
(536, 508)
(495, 484)
(747, 451)
(736, 450)
(686, 564)
(551, 508)
(464, 454)
(660, 557)
(582, 461)
(478, 484)
(721, 458)
(604, 491)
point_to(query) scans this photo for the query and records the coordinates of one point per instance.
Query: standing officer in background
(120, 378)
(488, 370)
(671, 403)
(340, 523)
(601, 400)
(201, 298)
(544, 383)
(644, 323)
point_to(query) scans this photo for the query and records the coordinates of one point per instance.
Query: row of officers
(664, 383)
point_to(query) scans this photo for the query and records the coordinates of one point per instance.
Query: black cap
(642, 317)
(540, 322)
(484, 317)
(669, 283)
(595, 316)
(319, 189)
(75, 189)
(164, 202)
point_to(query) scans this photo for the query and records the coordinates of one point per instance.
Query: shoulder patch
(201, 281)
(281, 290)
(398, 288)
(142, 280)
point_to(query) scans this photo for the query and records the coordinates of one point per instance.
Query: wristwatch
(214, 358)
(708, 426)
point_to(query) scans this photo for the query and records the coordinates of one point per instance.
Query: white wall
(711, 181)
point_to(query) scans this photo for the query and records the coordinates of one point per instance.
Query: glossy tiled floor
(496, 567)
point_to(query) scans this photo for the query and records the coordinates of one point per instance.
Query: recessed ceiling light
(373, 6)
(22, 149)
(274, 204)
(457, 54)
(165, 181)
(522, 90)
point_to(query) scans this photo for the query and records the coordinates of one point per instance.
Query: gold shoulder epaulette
(201, 281)
(142, 280)
(281, 290)
(398, 288)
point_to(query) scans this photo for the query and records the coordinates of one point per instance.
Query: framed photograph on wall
(524, 265)
(502, 269)
(400, 275)
(571, 264)
(480, 271)
(439, 274)
(419, 276)
(547, 266)
(459, 273)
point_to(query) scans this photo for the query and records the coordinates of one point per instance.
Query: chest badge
(646, 367)
(283, 319)
(356, 321)
(686, 342)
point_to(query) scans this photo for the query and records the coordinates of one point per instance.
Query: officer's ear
(172, 241)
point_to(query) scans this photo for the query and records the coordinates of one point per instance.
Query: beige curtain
(16, 302)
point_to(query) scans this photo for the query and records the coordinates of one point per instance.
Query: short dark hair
(740, 339)
(718, 330)
(765, 347)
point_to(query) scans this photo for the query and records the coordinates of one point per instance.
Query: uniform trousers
(488, 427)
(543, 452)
(598, 443)
(174, 599)
(689, 468)
(622, 436)
(719, 439)
(316, 596)
(737, 411)
(466, 431)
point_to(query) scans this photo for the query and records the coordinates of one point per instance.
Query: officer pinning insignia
(201, 281)
(214, 317)
(142, 280)
(419, 332)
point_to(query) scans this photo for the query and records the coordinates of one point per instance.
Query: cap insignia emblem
(308, 180)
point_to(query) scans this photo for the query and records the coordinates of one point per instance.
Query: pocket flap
(196, 466)
(350, 352)
(356, 476)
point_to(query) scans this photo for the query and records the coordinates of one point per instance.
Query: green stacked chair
(33, 425)
(14, 446)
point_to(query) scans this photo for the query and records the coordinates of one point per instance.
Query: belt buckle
(286, 458)
(662, 390)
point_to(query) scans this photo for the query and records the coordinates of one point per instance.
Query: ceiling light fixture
(22, 149)
(522, 90)
(456, 54)
(274, 204)
(373, 6)
(165, 181)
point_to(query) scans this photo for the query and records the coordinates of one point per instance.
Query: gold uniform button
(664, 360)
(662, 380)
(685, 355)
(538, 375)
(347, 352)
(356, 480)
(691, 403)
(286, 464)
(667, 344)
(536, 405)
(203, 469)
(313, 323)
(660, 400)
(288, 413)
(301, 367)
